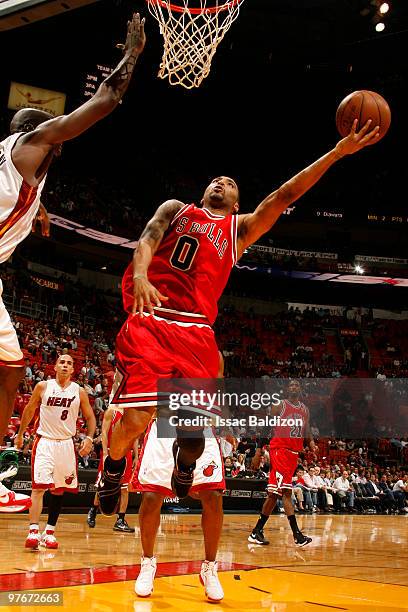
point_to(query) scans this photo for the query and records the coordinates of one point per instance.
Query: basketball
(363, 105)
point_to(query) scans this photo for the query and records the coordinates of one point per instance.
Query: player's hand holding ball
(356, 141)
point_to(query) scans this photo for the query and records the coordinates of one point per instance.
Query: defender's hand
(356, 141)
(145, 295)
(136, 37)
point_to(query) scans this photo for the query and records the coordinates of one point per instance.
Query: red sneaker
(33, 539)
(48, 540)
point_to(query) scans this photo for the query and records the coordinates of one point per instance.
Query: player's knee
(152, 501)
(211, 499)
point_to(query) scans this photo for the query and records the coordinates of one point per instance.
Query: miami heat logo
(210, 469)
(69, 479)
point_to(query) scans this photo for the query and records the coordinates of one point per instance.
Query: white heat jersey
(19, 201)
(59, 411)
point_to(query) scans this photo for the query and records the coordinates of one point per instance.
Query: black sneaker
(257, 537)
(181, 480)
(91, 518)
(302, 540)
(108, 490)
(121, 525)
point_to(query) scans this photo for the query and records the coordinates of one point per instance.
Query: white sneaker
(48, 540)
(144, 582)
(209, 580)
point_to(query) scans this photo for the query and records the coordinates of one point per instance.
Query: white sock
(50, 528)
(34, 526)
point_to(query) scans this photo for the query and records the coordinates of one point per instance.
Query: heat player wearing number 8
(53, 458)
(285, 446)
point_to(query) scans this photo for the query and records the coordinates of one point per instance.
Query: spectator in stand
(343, 492)
(228, 467)
(28, 371)
(400, 490)
(304, 489)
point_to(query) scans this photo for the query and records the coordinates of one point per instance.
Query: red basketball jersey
(291, 435)
(193, 262)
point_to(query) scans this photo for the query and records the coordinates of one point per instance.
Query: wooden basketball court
(354, 563)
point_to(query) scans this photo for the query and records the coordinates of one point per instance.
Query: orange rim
(194, 11)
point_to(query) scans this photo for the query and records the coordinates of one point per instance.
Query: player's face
(294, 388)
(64, 365)
(222, 193)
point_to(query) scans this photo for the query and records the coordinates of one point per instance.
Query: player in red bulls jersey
(285, 446)
(180, 267)
(53, 459)
(110, 418)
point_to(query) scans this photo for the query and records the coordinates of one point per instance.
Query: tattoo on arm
(119, 79)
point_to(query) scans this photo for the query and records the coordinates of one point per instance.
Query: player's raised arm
(254, 225)
(144, 292)
(29, 412)
(105, 100)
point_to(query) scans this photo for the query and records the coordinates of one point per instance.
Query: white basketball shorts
(54, 465)
(156, 463)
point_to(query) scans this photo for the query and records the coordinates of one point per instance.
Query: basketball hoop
(191, 36)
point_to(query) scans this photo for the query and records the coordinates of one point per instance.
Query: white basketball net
(191, 37)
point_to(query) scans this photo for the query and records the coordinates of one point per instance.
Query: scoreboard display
(93, 78)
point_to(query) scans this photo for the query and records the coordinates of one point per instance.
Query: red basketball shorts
(127, 475)
(283, 465)
(150, 348)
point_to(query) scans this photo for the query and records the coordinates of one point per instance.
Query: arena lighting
(358, 269)
(380, 27)
(384, 8)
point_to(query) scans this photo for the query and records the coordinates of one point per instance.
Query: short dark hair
(27, 119)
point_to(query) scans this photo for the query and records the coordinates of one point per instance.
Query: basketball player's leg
(34, 537)
(298, 536)
(11, 367)
(149, 522)
(126, 431)
(10, 378)
(91, 517)
(54, 510)
(257, 535)
(198, 358)
(211, 523)
(121, 523)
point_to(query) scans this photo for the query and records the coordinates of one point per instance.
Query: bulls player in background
(53, 459)
(180, 267)
(153, 478)
(285, 447)
(25, 156)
